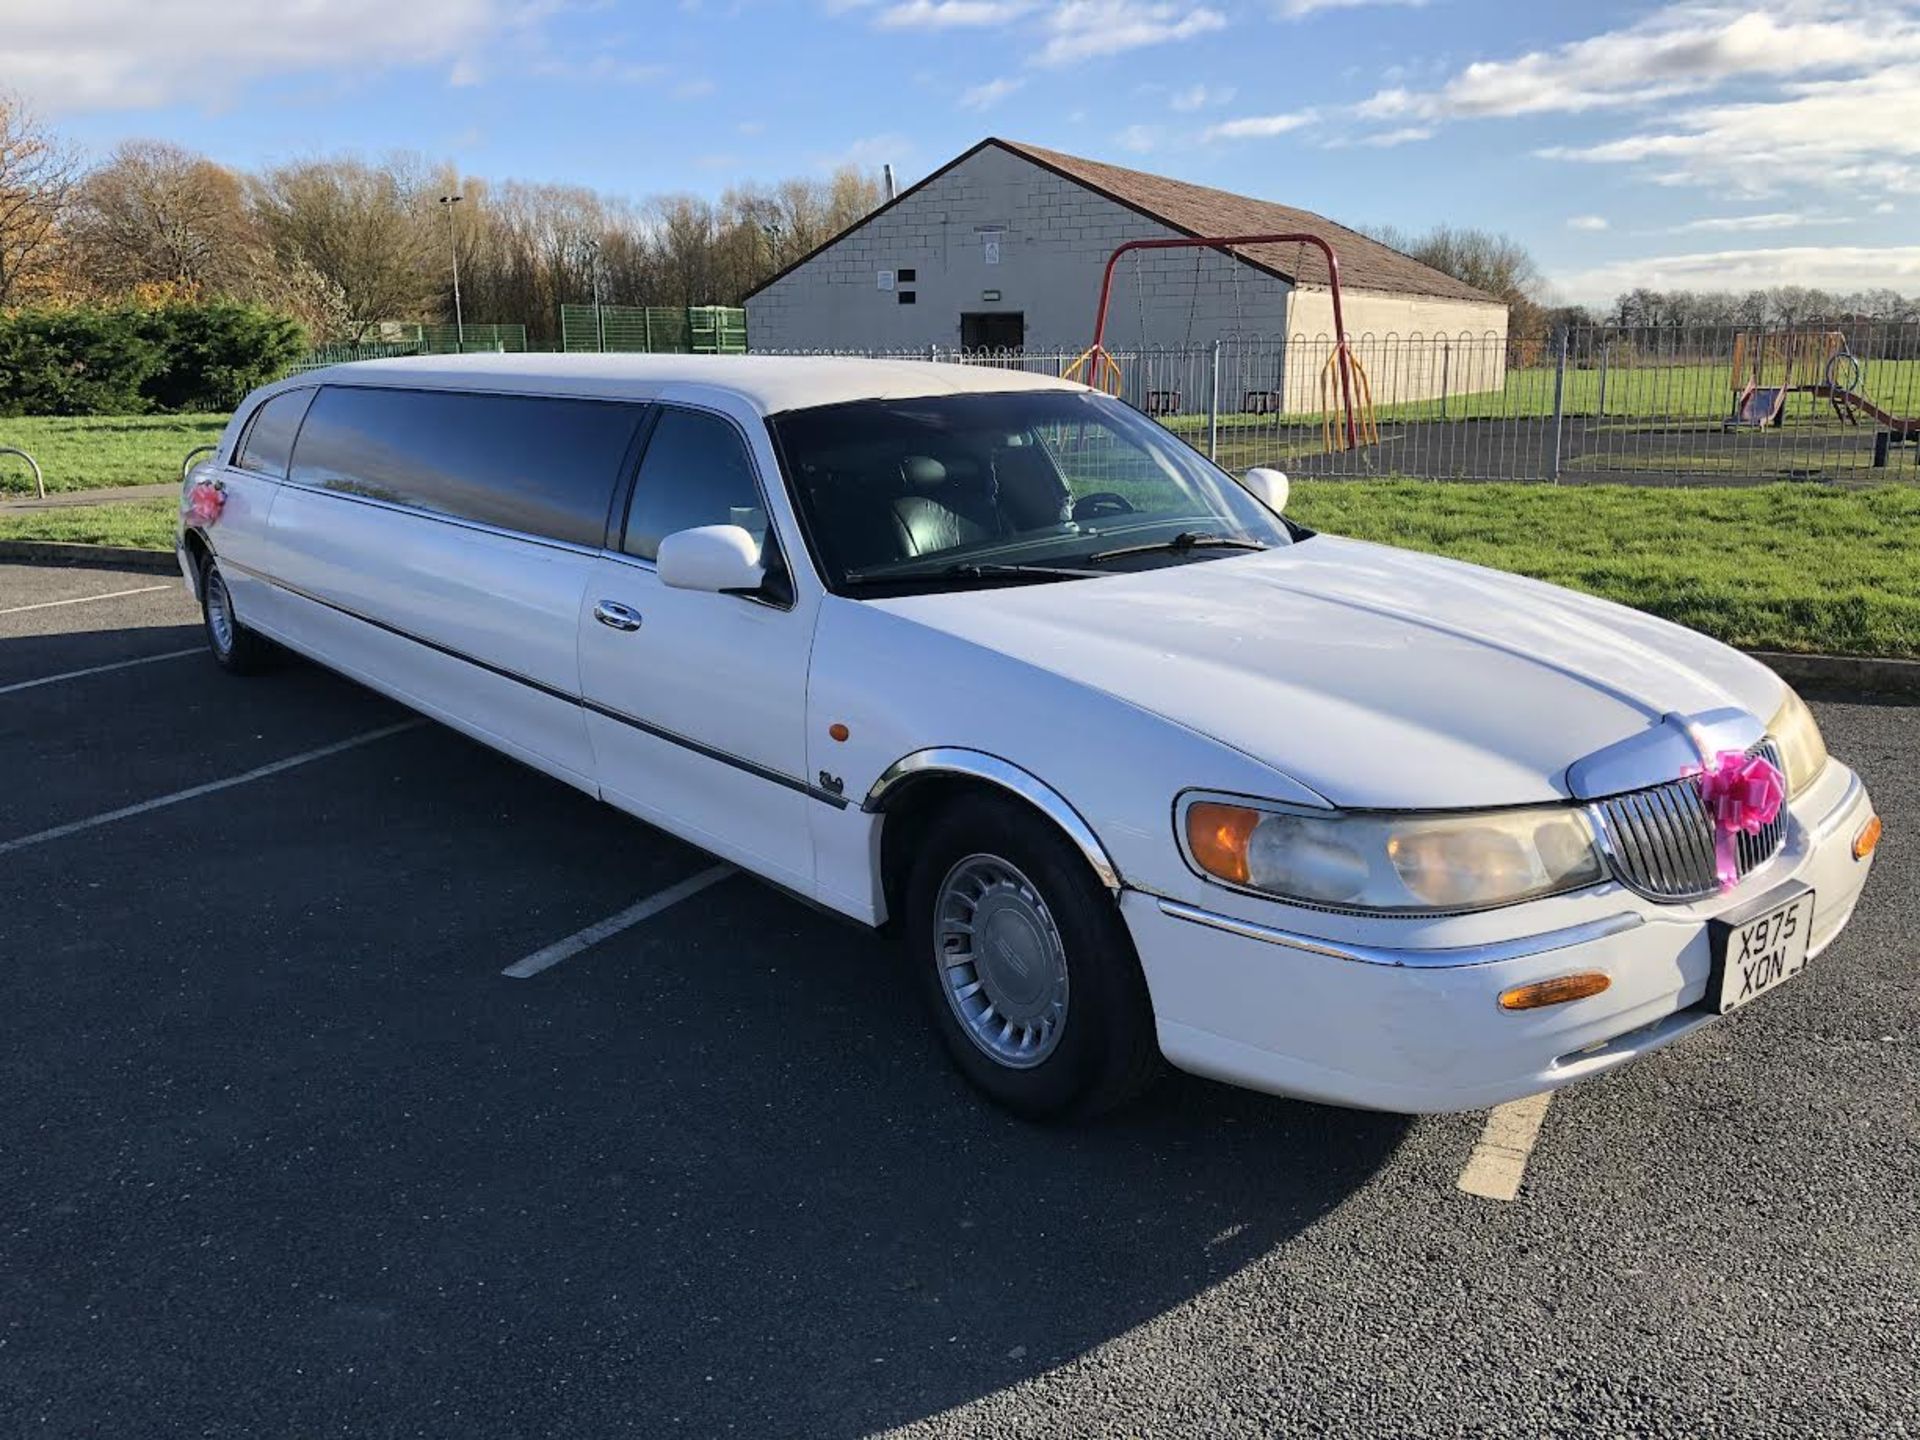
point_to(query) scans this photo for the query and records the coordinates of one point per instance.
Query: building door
(993, 330)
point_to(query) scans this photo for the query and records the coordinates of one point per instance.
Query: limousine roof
(770, 383)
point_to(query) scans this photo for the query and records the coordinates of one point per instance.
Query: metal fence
(1834, 403)
(684, 330)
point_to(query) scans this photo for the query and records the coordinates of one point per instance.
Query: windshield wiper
(970, 570)
(1186, 540)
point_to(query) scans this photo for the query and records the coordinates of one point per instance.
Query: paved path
(118, 495)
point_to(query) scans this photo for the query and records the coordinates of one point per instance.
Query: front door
(696, 702)
(993, 330)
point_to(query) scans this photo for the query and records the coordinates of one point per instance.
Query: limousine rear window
(543, 466)
(268, 444)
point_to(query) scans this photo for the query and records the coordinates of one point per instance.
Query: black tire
(234, 648)
(1105, 1053)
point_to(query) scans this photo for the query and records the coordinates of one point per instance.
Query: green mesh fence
(666, 329)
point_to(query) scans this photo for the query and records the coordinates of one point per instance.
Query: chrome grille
(1659, 841)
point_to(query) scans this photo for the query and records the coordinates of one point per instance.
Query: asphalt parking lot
(283, 1152)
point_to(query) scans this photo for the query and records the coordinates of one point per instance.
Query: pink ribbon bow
(205, 501)
(1743, 794)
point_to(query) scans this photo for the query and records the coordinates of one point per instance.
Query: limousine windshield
(1042, 484)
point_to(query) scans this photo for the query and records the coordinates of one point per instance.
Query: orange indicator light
(1557, 991)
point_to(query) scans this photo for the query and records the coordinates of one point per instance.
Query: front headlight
(1797, 733)
(1407, 864)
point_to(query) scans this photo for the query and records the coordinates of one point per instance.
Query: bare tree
(156, 214)
(36, 181)
(365, 231)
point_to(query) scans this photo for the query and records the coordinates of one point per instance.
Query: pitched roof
(1365, 264)
(1201, 210)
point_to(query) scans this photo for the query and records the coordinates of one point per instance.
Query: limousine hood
(1379, 678)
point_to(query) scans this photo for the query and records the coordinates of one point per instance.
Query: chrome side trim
(1008, 776)
(1450, 957)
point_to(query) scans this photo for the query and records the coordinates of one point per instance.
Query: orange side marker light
(1557, 991)
(838, 731)
(1868, 837)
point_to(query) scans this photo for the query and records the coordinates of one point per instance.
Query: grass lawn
(145, 524)
(96, 452)
(1778, 567)
(1775, 567)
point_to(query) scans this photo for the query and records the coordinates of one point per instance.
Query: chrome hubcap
(1003, 966)
(219, 611)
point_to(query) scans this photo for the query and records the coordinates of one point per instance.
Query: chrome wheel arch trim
(978, 765)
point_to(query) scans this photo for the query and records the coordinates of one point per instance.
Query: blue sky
(1696, 144)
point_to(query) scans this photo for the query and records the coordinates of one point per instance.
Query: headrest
(923, 472)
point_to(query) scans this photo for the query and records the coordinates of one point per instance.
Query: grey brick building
(1004, 245)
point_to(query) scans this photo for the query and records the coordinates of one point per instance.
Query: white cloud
(985, 96)
(869, 152)
(1682, 49)
(1829, 267)
(1749, 224)
(1201, 97)
(1858, 134)
(1086, 29)
(950, 14)
(1382, 139)
(1587, 222)
(1298, 9)
(1140, 139)
(71, 55)
(1261, 127)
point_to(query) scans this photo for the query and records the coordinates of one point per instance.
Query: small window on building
(905, 277)
(906, 297)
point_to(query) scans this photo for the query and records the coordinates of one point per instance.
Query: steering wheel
(1101, 502)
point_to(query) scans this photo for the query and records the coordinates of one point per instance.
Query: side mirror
(1269, 487)
(718, 558)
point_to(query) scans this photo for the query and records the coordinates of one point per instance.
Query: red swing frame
(1222, 243)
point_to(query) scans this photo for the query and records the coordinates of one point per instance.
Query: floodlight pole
(1222, 244)
(447, 203)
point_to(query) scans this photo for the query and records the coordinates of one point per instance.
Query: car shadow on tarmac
(294, 1157)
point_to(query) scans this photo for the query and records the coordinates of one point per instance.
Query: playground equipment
(1811, 362)
(1101, 370)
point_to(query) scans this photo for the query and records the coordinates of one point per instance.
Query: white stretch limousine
(1137, 767)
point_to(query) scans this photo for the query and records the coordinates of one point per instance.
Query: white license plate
(1753, 956)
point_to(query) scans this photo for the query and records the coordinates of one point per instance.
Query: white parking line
(97, 670)
(1499, 1160)
(614, 924)
(259, 773)
(83, 599)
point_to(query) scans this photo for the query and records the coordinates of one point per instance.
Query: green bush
(130, 360)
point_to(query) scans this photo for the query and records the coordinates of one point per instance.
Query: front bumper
(1272, 1006)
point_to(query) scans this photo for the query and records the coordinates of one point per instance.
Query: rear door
(436, 544)
(696, 702)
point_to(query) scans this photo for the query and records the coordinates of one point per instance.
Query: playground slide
(1759, 405)
(1901, 428)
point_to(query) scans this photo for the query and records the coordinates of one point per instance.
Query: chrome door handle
(616, 615)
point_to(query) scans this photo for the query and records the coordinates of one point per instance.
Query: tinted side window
(696, 472)
(268, 443)
(522, 462)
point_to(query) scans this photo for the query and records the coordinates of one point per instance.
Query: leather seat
(939, 512)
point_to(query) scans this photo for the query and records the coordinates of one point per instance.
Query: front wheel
(235, 648)
(1027, 968)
